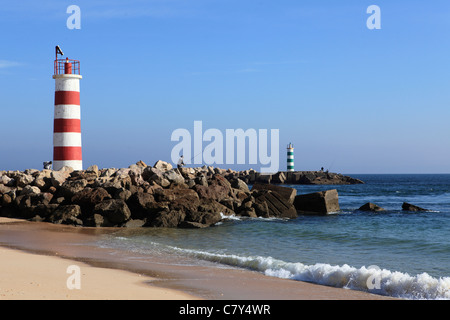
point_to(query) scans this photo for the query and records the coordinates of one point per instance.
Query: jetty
(296, 177)
(159, 195)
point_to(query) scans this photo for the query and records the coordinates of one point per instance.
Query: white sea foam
(390, 283)
(230, 217)
(240, 218)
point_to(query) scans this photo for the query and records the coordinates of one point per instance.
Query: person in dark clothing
(48, 165)
(180, 163)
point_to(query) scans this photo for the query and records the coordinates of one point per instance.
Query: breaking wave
(370, 279)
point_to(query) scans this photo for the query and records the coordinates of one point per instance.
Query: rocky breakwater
(139, 196)
(298, 177)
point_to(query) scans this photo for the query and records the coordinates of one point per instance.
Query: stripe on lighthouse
(66, 139)
(67, 125)
(67, 97)
(67, 84)
(67, 111)
(67, 153)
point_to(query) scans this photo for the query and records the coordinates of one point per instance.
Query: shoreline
(135, 276)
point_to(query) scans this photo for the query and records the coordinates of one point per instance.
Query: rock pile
(139, 196)
(297, 177)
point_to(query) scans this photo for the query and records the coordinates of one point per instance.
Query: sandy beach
(27, 276)
(35, 262)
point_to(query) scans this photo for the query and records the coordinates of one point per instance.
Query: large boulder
(201, 180)
(136, 176)
(187, 173)
(287, 193)
(172, 206)
(7, 181)
(186, 200)
(106, 173)
(174, 177)
(70, 187)
(59, 177)
(261, 209)
(6, 200)
(24, 205)
(115, 184)
(89, 197)
(93, 168)
(270, 203)
(43, 211)
(143, 205)
(115, 211)
(214, 192)
(4, 189)
(43, 180)
(304, 177)
(218, 189)
(30, 190)
(67, 214)
(263, 178)
(122, 173)
(207, 213)
(166, 219)
(162, 165)
(239, 184)
(23, 179)
(155, 175)
(323, 202)
(90, 174)
(371, 207)
(411, 207)
(279, 177)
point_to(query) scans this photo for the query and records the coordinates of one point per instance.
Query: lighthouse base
(74, 164)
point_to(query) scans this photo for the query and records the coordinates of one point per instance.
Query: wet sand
(34, 258)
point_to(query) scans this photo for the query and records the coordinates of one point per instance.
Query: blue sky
(350, 99)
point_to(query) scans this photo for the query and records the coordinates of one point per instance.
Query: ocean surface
(393, 253)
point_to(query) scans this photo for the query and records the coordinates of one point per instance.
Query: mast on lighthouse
(67, 117)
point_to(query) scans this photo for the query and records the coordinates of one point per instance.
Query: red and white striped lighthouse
(67, 119)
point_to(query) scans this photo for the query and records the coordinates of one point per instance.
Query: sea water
(393, 252)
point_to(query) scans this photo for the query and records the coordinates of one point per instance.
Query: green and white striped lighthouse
(290, 158)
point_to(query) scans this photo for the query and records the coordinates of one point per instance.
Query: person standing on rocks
(48, 165)
(180, 162)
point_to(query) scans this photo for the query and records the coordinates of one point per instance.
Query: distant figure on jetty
(48, 165)
(180, 162)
